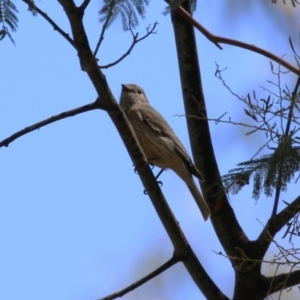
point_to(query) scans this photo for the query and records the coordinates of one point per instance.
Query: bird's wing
(156, 122)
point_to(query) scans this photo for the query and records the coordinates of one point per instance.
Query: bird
(159, 142)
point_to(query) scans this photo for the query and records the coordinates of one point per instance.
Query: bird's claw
(151, 166)
(160, 183)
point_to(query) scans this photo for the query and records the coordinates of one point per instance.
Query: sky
(74, 222)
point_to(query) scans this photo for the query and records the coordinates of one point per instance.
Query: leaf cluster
(8, 19)
(267, 171)
(294, 2)
(128, 9)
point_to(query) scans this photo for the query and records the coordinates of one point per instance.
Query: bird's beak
(124, 87)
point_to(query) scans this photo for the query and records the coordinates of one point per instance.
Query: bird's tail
(199, 199)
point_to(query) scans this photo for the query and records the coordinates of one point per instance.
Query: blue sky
(74, 222)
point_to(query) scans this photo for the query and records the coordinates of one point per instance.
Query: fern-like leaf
(129, 10)
(280, 166)
(8, 19)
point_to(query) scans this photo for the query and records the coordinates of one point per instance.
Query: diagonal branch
(49, 20)
(84, 5)
(171, 262)
(276, 223)
(226, 226)
(50, 120)
(218, 39)
(108, 102)
(284, 281)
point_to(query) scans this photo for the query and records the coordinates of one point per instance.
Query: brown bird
(158, 141)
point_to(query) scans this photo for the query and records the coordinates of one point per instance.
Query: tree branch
(49, 20)
(223, 218)
(284, 281)
(275, 224)
(134, 42)
(50, 120)
(218, 39)
(107, 101)
(174, 260)
(285, 138)
(101, 38)
(84, 5)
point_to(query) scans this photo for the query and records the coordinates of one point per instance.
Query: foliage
(281, 165)
(294, 2)
(8, 19)
(128, 9)
(274, 116)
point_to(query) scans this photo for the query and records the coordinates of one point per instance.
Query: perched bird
(158, 141)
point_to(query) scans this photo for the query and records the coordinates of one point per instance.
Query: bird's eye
(139, 91)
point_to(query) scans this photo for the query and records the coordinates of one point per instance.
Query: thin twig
(259, 110)
(244, 258)
(219, 120)
(174, 260)
(218, 39)
(101, 38)
(134, 42)
(49, 20)
(286, 135)
(291, 112)
(291, 259)
(50, 120)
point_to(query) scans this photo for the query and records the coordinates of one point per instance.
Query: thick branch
(224, 221)
(182, 248)
(276, 223)
(284, 281)
(250, 286)
(219, 39)
(50, 120)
